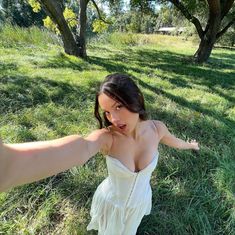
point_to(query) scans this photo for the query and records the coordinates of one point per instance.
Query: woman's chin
(124, 131)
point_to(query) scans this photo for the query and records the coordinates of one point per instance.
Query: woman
(128, 140)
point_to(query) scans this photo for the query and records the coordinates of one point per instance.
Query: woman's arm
(29, 162)
(168, 139)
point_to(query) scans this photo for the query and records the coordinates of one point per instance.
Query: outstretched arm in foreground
(168, 139)
(29, 162)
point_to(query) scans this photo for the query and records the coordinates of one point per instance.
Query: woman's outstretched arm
(29, 162)
(168, 139)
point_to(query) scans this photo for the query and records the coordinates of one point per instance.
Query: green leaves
(99, 26)
(35, 5)
(69, 16)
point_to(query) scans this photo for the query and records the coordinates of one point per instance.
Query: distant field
(46, 94)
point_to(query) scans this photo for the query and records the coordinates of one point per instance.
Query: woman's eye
(106, 113)
(119, 106)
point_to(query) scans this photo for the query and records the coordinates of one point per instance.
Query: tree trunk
(217, 11)
(208, 38)
(72, 46)
(82, 36)
(54, 9)
(204, 50)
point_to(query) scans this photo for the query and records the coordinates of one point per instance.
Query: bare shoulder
(161, 128)
(159, 124)
(101, 134)
(104, 137)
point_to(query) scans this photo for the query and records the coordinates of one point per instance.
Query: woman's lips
(122, 127)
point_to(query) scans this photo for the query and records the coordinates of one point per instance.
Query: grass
(12, 36)
(46, 94)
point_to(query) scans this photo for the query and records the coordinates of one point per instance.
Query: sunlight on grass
(46, 94)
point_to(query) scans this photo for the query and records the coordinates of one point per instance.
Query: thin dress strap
(155, 125)
(108, 150)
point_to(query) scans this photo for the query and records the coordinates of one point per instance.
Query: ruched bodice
(122, 199)
(129, 188)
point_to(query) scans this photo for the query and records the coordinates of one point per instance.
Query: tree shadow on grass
(221, 57)
(7, 66)
(19, 92)
(62, 60)
(190, 105)
(169, 63)
(173, 62)
(109, 64)
(166, 61)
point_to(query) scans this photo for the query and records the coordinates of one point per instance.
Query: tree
(141, 9)
(116, 6)
(74, 44)
(169, 16)
(220, 16)
(137, 17)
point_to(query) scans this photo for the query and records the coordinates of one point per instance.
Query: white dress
(122, 199)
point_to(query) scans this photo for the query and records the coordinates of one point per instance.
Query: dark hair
(123, 89)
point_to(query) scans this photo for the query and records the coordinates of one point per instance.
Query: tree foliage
(69, 16)
(99, 26)
(35, 5)
(20, 13)
(138, 17)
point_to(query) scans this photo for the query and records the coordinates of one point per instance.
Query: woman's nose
(114, 118)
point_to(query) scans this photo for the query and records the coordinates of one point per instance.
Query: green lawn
(45, 94)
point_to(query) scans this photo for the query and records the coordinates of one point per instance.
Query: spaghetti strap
(108, 150)
(154, 124)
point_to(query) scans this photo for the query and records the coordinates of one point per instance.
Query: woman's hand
(193, 144)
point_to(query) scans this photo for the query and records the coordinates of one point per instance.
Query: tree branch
(99, 14)
(226, 7)
(224, 30)
(190, 17)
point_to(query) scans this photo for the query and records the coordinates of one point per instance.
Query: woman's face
(121, 118)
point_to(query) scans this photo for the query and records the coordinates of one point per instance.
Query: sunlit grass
(14, 36)
(45, 94)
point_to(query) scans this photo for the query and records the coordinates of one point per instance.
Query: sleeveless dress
(122, 199)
